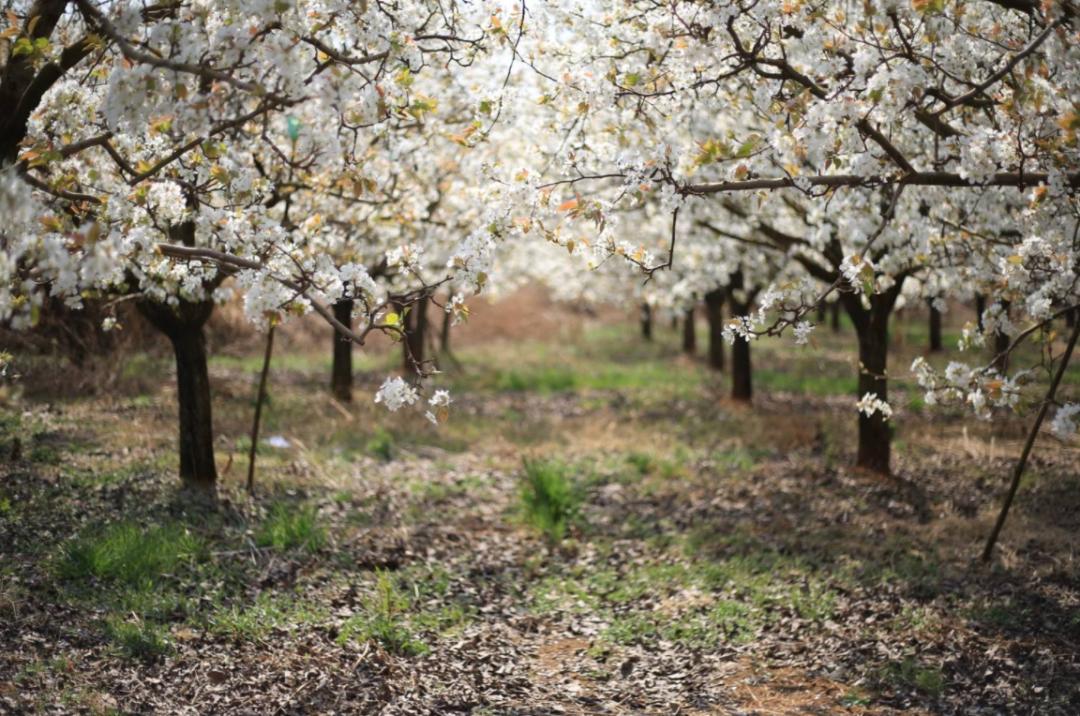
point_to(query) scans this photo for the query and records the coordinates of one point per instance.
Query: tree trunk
(741, 382)
(183, 325)
(834, 309)
(689, 335)
(415, 334)
(714, 311)
(741, 373)
(646, 322)
(1001, 356)
(872, 330)
(875, 435)
(444, 335)
(935, 328)
(1001, 346)
(341, 372)
(980, 306)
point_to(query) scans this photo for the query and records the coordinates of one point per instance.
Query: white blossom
(395, 393)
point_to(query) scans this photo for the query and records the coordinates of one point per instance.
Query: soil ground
(704, 557)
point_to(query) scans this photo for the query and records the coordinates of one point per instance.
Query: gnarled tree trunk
(341, 372)
(183, 324)
(714, 311)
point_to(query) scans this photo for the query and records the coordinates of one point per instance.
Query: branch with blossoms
(395, 392)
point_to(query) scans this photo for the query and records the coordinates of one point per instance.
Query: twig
(259, 399)
(1018, 471)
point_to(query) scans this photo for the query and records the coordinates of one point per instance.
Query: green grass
(726, 621)
(407, 610)
(138, 639)
(290, 526)
(269, 612)
(737, 458)
(913, 674)
(550, 500)
(537, 380)
(1008, 614)
(813, 383)
(667, 468)
(131, 575)
(537, 367)
(391, 618)
(736, 597)
(381, 445)
(128, 554)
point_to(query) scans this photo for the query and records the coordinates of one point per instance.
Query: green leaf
(23, 46)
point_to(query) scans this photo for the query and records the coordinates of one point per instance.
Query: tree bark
(646, 322)
(1001, 346)
(689, 336)
(935, 328)
(415, 333)
(741, 372)
(834, 310)
(183, 324)
(22, 86)
(444, 335)
(875, 434)
(714, 311)
(341, 372)
(872, 331)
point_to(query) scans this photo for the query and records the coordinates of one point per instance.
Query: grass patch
(1007, 615)
(536, 380)
(391, 617)
(912, 674)
(381, 445)
(137, 639)
(269, 612)
(644, 464)
(807, 383)
(290, 526)
(550, 500)
(127, 554)
(726, 621)
(739, 459)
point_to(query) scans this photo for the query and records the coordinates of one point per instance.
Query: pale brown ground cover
(724, 559)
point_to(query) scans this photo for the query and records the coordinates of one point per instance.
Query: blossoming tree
(854, 133)
(163, 145)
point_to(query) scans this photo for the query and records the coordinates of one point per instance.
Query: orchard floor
(720, 560)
